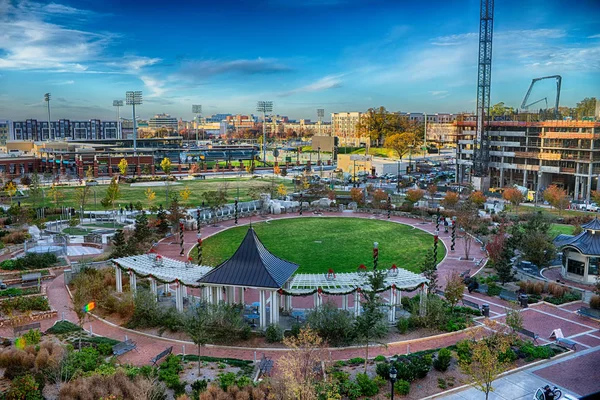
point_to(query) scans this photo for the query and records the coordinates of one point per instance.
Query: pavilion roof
(252, 265)
(168, 269)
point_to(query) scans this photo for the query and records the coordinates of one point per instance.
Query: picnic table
(162, 354)
(26, 328)
(251, 318)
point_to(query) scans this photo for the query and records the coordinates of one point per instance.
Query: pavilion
(581, 253)
(253, 267)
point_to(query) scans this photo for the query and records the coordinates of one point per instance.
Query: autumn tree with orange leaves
(556, 197)
(514, 196)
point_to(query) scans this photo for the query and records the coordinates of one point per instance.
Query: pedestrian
(446, 225)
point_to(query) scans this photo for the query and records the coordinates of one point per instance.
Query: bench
(265, 365)
(483, 288)
(530, 334)
(508, 295)
(465, 274)
(165, 353)
(440, 293)
(26, 328)
(566, 343)
(589, 312)
(123, 347)
(471, 304)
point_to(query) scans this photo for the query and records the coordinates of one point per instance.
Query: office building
(163, 121)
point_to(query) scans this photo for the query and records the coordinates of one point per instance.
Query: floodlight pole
(132, 98)
(47, 97)
(118, 104)
(264, 107)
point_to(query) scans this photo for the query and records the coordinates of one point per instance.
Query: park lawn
(317, 244)
(76, 231)
(109, 225)
(558, 229)
(133, 194)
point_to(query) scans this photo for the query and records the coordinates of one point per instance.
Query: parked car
(592, 207)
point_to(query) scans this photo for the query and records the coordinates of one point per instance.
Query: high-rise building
(163, 121)
(5, 131)
(344, 126)
(63, 129)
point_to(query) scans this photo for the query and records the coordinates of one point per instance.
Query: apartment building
(64, 129)
(536, 154)
(163, 121)
(343, 125)
(5, 131)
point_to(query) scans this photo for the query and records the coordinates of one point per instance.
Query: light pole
(47, 100)
(264, 107)
(197, 109)
(539, 186)
(118, 104)
(393, 375)
(320, 115)
(133, 98)
(410, 147)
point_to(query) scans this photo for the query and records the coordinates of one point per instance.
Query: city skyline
(340, 55)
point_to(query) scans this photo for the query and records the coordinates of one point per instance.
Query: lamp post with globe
(393, 375)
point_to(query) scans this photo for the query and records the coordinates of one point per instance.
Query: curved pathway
(148, 346)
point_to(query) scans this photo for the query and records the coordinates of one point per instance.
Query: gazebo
(253, 267)
(581, 253)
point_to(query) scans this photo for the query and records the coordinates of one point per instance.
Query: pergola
(253, 267)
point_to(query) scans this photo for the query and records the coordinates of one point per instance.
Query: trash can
(524, 300)
(485, 310)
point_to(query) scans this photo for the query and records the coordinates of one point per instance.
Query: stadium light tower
(118, 104)
(133, 98)
(47, 100)
(197, 109)
(264, 107)
(320, 115)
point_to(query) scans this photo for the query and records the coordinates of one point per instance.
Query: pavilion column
(392, 313)
(262, 309)
(398, 297)
(274, 307)
(240, 295)
(345, 302)
(356, 303)
(287, 300)
(132, 282)
(219, 294)
(184, 291)
(179, 297)
(214, 295)
(119, 276)
(153, 287)
(166, 288)
(422, 301)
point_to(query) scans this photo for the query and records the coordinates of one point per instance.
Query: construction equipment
(535, 102)
(558, 78)
(484, 80)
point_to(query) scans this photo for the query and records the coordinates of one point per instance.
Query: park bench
(471, 304)
(508, 295)
(589, 312)
(465, 274)
(530, 334)
(440, 293)
(265, 365)
(164, 353)
(123, 347)
(483, 288)
(566, 343)
(26, 328)
(29, 280)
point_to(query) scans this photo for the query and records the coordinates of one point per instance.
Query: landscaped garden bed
(30, 261)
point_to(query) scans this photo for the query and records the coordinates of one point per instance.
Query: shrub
(367, 386)
(595, 302)
(30, 261)
(63, 327)
(24, 387)
(15, 238)
(405, 371)
(380, 358)
(383, 370)
(442, 383)
(356, 360)
(168, 372)
(508, 356)
(455, 323)
(335, 326)
(200, 385)
(493, 289)
(273, 333)
(379, 381)
(463, 350)
(12, 292)
(32, 337)
(38, 303)
(443, 359)
(403, 324)
(421, 365)
(351, 389)
(531, 352)
(402, 387)
(226, 380)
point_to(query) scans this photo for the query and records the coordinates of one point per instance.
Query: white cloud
(54, 8)
(594, 36)
(439, 94)
(156, 86)
(59, 83)
(136, 63)
(325, 83)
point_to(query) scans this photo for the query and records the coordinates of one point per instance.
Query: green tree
(166, 166)
(215, 200)
(503, 265)
(370, 325)
(538, 248)
(429, 270)
(162, 222)
(197, 324)
(142, 235)
(499, 109)
(120, 245)
(82, 197)
(401, 142)
(56, 195)
(586, 107)
(36, 196)
(112, 194)
(514, 318)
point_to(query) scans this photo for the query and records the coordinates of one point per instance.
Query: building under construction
(535, 154)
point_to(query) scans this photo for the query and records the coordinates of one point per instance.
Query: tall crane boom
(558, 78)
(484, 80)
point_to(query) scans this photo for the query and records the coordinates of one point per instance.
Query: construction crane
(481, 143)
(535, 102)
(558, 78)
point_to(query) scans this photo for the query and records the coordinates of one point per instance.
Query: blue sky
(340, 55)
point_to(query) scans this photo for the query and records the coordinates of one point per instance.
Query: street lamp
(47, 100)
(264, 107)
(197, 109)
(118, 104)
(539, 185)
(320, 115)
(393, 375)
(410, 147)
(133, 98)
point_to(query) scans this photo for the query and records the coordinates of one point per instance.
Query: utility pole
(47, 100)
(264, 107)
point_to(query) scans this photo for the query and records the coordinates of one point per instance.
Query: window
(575, 267)
(593, 266)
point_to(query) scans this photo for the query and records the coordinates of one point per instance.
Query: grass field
(134, 194)
(317, 244)
(76, 231)
(557, 229)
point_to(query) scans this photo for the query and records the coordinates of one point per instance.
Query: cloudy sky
(340, 55)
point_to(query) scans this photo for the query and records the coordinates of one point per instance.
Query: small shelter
(581, 253)
(251, 266)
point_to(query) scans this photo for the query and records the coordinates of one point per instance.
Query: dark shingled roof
(586, 242)
(252, 265)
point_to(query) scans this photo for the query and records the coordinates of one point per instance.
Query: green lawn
(557, 229)
(109, 225)
(129, 194)
(76, 231)
(317, 244)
